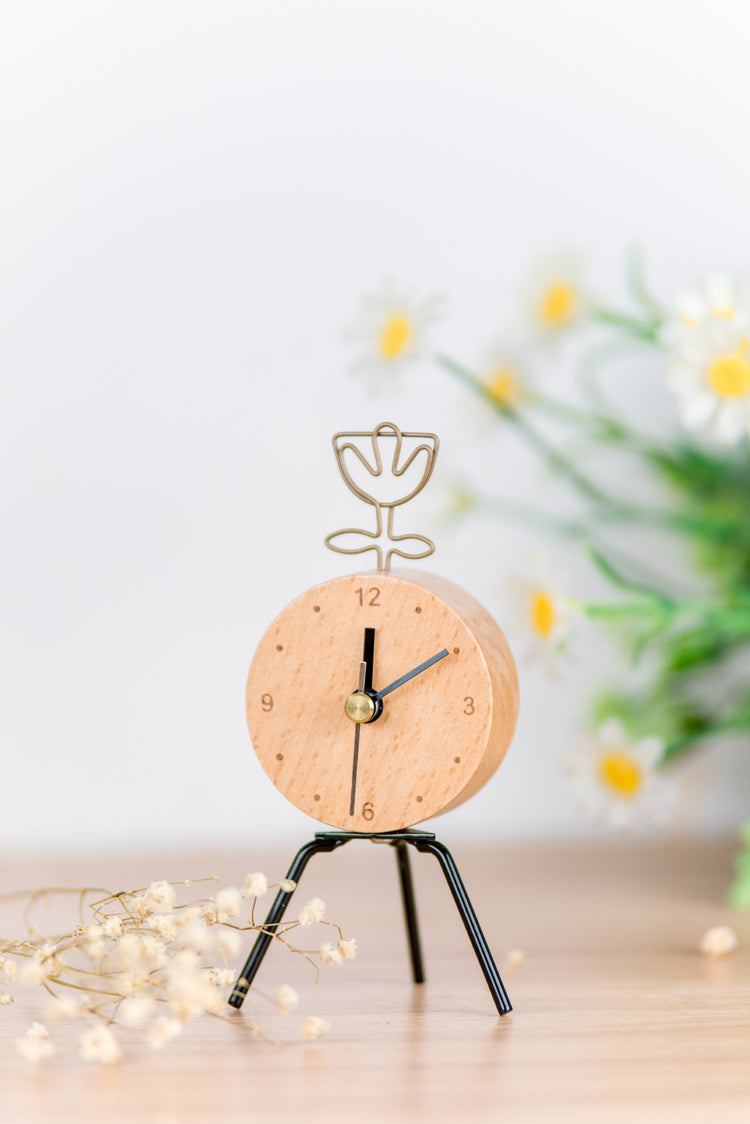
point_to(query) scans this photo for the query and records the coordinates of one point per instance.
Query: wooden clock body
(440, 736)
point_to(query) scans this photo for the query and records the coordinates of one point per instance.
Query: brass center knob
(359, 707)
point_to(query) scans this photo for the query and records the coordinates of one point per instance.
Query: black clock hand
(369, 657)
(363, 672)
(410, 674)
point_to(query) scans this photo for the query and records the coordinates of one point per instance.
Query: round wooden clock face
(434, 739)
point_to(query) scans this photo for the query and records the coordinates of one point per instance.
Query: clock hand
(410, 674)
(363, 672)
(369, 657)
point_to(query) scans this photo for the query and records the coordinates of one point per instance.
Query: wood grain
(617, 1016)
(440, 737)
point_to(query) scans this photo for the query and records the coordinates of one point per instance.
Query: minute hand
(410, 674)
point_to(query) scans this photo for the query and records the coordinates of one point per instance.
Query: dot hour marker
(316, 608)
(279, 756)
(457, 760)
(316, 796)
(456, 651)
(279, 647)
(419, 800)
(418, 609)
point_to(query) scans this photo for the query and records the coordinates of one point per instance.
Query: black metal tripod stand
(422, 841)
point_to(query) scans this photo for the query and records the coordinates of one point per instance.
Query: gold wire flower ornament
(403, 461)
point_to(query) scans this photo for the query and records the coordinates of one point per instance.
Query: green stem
(554, 459)
(685, 742)
(602, 427)
(608, 508)
(647, 330)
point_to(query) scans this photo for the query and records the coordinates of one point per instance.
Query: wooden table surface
(617, 1016)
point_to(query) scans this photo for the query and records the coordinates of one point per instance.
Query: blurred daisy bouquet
(685, 683)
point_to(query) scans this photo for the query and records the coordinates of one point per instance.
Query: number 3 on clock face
(376, 701)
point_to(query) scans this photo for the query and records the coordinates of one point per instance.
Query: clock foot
(400, 840)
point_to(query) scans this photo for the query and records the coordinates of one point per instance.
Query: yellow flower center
(395, 335)
(724, 313)
(729, 375)
(619, 772)
(504, 386)
(558, 304)
(543, 615)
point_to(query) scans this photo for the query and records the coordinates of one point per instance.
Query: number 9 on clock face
(376, 701)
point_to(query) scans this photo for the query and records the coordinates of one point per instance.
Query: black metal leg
(281, 901)
(469, 918)
(423, 841)
(410, 911)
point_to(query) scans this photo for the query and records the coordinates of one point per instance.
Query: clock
(381, 699)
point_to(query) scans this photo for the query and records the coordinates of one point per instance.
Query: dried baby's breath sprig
(719, 941)
(144, 961)
(285, 997)
(314, 1027)
(35, 1046)
(312, 912)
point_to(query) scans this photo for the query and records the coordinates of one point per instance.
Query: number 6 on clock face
(376, 701)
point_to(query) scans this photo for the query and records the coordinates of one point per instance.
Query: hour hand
(410, 674)
(361, 706)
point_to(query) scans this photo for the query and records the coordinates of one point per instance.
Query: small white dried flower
(330, 955)
(515, 958)
(129, 949)
(227, 942)
(220, 977)
(288, 885)
(228, 903)
(134, 1012)
(92, 942)
(5, 999)
(36, 970)
(312, 912)
(255, 885)
(184, 916)
(163, 1030)
(182, 963)
(153, 953)
(10, 968)
(62, 1007)
(138, 906)
(164, 925)
(189, 992)
(35, 1046)
(210, 914)
(113, 927)
(196, 935)
(314, 1027)
(100, 1045)
(285, 997)
(160, 897)
(348, 948)
(719, 941)
(133, 981)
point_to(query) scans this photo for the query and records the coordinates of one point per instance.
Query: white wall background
(193, 198)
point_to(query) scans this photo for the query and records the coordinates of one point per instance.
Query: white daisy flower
(543, 612)
(504, 374)
(554, 295)
(708, 359)
(616, 780)
(393, 328)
